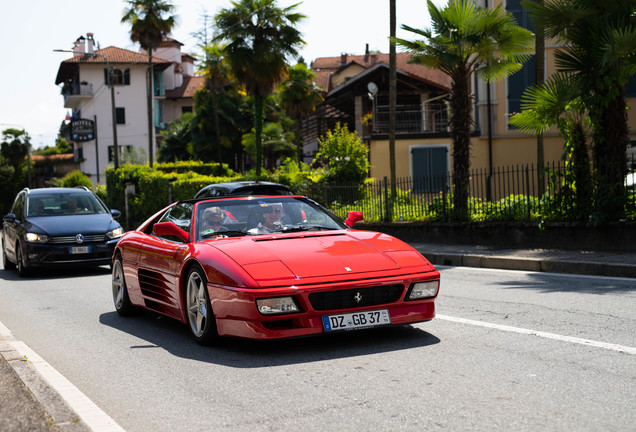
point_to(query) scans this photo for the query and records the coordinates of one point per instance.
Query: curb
(590, 268)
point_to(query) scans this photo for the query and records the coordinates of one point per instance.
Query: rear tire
(123, 306)
(201, 320)
(8, 265)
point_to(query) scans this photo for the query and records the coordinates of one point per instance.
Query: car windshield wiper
(297, 228)
(228, 233)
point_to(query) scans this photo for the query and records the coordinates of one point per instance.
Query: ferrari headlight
(36, 238)
(278, 305)
(116, 233)
(422, 290)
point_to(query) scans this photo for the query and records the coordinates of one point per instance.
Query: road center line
(588, 342)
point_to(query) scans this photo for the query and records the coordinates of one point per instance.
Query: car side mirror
(170, 229)
(353, 217)
(115, 213)
(9, 218)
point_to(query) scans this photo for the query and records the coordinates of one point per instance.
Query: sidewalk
(28, 403)
(597, 263)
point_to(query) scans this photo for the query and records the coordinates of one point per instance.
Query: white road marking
(587, 342)
(96, 419)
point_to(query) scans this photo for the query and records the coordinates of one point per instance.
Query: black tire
(23, 268)
(201, 320)
(8, 265)
(123, 306)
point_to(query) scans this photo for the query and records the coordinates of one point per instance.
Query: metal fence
(513, 193)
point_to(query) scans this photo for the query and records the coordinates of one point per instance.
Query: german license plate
(79, 250)
(356, 320)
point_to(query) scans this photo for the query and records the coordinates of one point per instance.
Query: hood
(57, 226)
(323, 254)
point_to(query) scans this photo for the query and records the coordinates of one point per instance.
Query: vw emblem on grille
(358, 297)
(79, 238)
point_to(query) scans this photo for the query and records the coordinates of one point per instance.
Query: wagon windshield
(240, 217)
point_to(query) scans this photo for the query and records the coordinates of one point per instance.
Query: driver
(213, 218)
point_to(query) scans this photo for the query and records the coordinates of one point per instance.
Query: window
(119, 77)
(120, 114)
(186, 109)
(526, 77)
(111, 151)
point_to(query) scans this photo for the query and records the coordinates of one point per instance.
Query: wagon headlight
(116, 233)
(422, 290)
(36, 238)
(278, 305)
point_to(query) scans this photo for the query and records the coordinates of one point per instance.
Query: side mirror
(9, 218)
(170, 229)
(115, 213)
(353, 217)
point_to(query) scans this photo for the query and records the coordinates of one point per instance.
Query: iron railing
(512, 193)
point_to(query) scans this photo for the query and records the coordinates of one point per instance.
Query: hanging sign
(82, 130)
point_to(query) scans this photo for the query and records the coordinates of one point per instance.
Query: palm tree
(148, 27)
(298, 95)
(557, 101)
(260, 37)
(599, 41)
(217, 78)
(468, 39)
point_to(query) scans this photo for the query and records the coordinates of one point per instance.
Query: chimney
(78, 46)
(366, 53)
(91, 43)
(343, 58)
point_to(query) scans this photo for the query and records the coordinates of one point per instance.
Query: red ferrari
(267, 268)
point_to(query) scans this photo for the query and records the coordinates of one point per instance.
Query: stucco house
(88, 96)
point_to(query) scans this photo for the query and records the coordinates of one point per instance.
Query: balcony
(75, 92)
(411, 119)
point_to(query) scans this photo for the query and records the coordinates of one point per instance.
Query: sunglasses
(274, 210)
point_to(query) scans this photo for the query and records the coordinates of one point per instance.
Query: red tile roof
(323, 67)
(114, 56)
(189, 87)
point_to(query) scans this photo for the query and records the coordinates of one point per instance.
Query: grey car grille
(72, 239)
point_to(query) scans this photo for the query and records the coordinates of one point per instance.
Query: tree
(177, 140)
(598, 46)
(392, 98)
(260, 36)
(557, 102)
(148, 27)
(13, 160)
(345, 154)
(298, 95)
(467, 39)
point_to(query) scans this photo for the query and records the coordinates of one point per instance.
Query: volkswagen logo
(358, 297)
(79, 238)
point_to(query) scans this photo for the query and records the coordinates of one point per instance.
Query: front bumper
(236, 313)
(54, 255)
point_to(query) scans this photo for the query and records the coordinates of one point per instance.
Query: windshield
(230, 218)
(62, 204)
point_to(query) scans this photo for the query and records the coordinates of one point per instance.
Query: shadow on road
(173, 336)
(55, 273)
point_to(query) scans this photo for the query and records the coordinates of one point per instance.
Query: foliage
(177, 140)
(75, 178)
(13, 164)
(345, 154)
(466, 39)
(61, 147)
(260, 37)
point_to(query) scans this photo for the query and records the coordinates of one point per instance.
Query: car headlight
(422, 290)
(36, 238)
(278, 305)
(116, 233)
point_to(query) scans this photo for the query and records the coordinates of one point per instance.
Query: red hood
(311, 255)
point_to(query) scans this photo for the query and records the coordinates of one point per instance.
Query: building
(84, 81)
(356, 88)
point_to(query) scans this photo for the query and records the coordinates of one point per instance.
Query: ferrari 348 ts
(269, 267)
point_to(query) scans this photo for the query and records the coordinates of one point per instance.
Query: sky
(30, 31)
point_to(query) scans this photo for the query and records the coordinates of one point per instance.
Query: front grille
(72, 239)
(357, 297)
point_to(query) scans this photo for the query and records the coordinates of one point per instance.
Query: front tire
(23, 268)
(201, 320)
(123, 306)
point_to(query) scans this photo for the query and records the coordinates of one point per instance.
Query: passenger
(272, 214)
(213, 218)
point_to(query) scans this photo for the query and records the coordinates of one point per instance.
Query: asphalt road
(509, 350)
